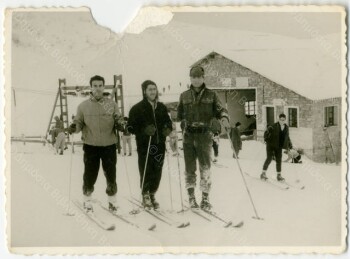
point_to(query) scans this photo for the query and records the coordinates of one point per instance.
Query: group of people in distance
(98, 119)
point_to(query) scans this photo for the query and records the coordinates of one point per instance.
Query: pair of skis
(160, 215)
(105, 225)
(282, 185)
(127, 221)
(208, 215)
(94, 218)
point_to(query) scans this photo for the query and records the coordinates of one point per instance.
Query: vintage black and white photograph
(197, 129)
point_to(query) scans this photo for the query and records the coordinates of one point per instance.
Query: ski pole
(169, 176)
(245, 183)
(144, 172)
(70, 179)
(128, 180)
(330, 143)
(178, 167)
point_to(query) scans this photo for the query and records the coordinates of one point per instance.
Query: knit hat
(196, 71)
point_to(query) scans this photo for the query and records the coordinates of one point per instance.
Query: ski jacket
(97, 120)
(277, 138)
(199, 109)
(142, 115)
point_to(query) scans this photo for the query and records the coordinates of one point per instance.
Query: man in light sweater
(97, 118)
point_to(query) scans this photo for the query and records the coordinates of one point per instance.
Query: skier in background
(236, 139)
(59, 123)
(60, 140)
(52, 134)
(293, 155)
(98, 118)
(216, 129)
(173, 140)
(149, 118)
(276, 138)
(126, 137)
(197, 107)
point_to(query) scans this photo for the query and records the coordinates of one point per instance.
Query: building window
(293, 117)
(250, 107)
(331, 115)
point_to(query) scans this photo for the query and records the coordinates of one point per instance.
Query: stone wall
(326, 141)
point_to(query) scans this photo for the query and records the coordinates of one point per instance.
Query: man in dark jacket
(277, 138)
(236, 139)
(197, 108)
(150, 119)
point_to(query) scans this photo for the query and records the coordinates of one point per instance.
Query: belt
(191, 129)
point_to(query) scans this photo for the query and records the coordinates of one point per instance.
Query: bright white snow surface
(309, 217)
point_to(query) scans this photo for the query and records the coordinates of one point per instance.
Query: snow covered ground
(309, 217)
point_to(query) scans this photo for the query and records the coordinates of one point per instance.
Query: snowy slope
(39, 185)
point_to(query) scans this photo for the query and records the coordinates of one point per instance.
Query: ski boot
(112, 207)
(146, 201)
(263, 176)
(154, 202)
(87, 205)
(192, 199)
(215, 160)
(280, 178)
(112, 203)
(205, 204)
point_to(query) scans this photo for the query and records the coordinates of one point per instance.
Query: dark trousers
(92, 157)
(154, 166)
(216, 148)
(270, 152)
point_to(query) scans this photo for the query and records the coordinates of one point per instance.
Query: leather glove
(150, 130)
(166, 132)
(119, 123)
(72, 128)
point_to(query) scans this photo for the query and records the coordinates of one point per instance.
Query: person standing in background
(126, 137)
(60, 140)
(236, 139)
(216, 129)
(276, 138)
(173, 140)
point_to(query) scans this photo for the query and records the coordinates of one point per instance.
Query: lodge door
(270, 115)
